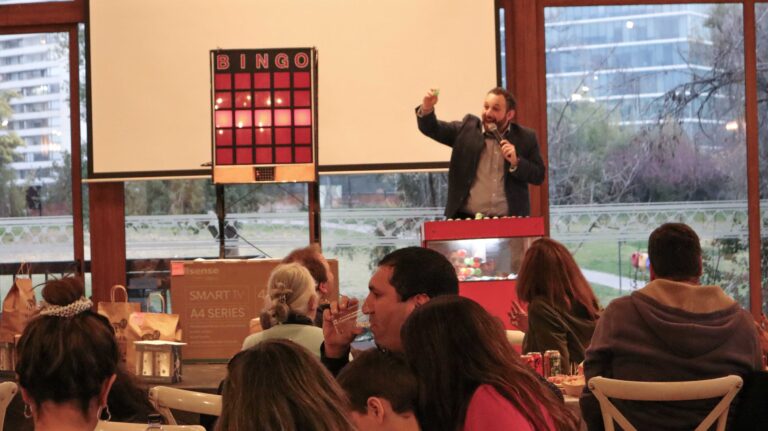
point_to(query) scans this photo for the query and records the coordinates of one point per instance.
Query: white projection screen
(150, 76)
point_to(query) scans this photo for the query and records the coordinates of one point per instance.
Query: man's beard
(500, 125)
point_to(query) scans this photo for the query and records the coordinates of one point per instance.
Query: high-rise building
(34, 67)
(629, 58)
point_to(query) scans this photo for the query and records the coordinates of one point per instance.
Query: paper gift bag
(19, 305)
(150, 326)
(118, 313)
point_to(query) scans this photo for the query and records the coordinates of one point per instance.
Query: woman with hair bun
(290, 306)
(68, 360)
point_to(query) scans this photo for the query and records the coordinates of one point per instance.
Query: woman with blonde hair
(289, 308)
(278, 385)
(562, 308)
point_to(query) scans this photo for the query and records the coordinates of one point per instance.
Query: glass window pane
(35, 143)
(172, 219)
(364, 217)
(761, 19)
(645, 126)
(266, 220)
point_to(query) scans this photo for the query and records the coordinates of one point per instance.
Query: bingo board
(264, 114)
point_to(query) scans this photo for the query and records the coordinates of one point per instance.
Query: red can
(538, 362)
(528, 360)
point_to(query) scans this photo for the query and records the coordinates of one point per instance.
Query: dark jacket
(669, 331)
(550, 328)
(466, 139)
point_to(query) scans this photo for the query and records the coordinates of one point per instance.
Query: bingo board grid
(263, 118)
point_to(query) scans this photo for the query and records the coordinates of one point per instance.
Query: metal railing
(196, 235)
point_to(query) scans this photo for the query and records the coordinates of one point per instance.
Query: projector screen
(150, 76)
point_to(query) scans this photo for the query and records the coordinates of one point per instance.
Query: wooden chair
(604, 388)
(164, 398)
(7, 392)
(126, 426)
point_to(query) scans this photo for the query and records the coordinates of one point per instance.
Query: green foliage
(12, 201)
(169, 197)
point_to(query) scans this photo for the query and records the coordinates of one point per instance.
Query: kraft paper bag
(19, 305)
(149, 326)
(118, 313)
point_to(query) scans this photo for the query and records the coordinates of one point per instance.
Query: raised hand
(518, 316)
(430, 100)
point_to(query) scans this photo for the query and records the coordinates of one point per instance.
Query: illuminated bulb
(219, 100)
(261, 129)
(269, 102)
(239, 124)
(248, 97)
(43, 42)
(215, 106)
(245, 103)
(630, 25)
(261, 124)
(279, 101)
(221, 132)
(731, 126)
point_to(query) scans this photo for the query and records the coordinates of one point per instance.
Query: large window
(645, 125)
(35, 147)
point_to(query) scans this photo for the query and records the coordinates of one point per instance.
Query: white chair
(515, 338)
(604, 388)
(126, 426)
(164, 398)
(7, 392)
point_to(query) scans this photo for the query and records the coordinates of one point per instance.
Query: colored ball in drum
(476, 265)
(469, 261)
(461, 253)
(478, 272)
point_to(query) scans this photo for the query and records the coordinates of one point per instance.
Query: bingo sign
(264, 115)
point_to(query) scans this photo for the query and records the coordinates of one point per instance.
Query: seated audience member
(470, 378)
(562, 309)
(404, 279)
(311, 258)
(68, 360)
(278, 385)
(673, 329)
(289, 307)
(382, 391)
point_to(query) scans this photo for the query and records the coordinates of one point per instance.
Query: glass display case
(487, 254)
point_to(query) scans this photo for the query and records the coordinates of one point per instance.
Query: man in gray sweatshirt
(672, 329)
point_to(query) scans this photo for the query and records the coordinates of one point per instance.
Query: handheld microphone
(495, 131)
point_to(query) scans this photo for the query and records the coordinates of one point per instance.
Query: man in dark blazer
(486, 175)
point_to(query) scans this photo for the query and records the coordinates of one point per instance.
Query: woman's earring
(102, 410)
(27, 411)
